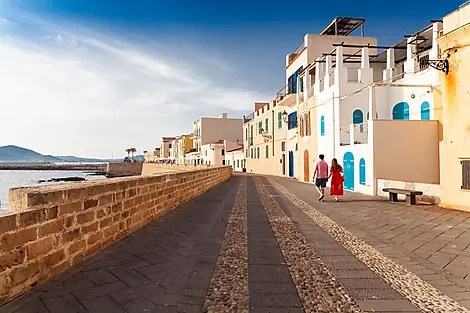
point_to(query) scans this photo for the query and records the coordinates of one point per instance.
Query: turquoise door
(291, 164)
(348, 171)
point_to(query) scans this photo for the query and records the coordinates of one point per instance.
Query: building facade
(374, 112)
(455, 117)
(208, 130)
(166, 147)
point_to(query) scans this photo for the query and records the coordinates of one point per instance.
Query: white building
(208, 130)
(374, 112)
(369, 106)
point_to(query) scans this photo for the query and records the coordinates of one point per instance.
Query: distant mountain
(18, 154)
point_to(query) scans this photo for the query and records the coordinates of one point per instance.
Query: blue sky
(93, 77)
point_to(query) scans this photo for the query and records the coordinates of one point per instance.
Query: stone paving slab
(361, 283)
(371, 219)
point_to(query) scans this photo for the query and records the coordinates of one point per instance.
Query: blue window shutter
(425, 111)
(362, 172)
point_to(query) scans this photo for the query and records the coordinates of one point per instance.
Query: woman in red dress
(336, 188)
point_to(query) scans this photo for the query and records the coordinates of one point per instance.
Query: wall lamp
(440, 65)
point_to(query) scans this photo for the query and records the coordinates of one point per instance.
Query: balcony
(248, 117)
(284, 97)
(296, 53)
(354, 134)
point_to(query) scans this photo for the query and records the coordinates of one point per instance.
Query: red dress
(336, 188)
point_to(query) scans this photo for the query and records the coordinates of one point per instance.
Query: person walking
(320, 176)
(336, 188)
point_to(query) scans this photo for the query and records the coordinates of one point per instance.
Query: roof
(218, 142)
(342, 26)
(168, 138)
(236, 149)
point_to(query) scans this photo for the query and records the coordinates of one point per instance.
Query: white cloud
(69, 90)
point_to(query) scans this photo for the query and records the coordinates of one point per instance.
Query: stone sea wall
(123, 169)
(55, 227)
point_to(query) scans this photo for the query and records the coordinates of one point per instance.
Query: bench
(410, 194)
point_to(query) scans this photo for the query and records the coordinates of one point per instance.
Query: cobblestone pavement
(265, 244)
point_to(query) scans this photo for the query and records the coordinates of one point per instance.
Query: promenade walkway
(265, 244)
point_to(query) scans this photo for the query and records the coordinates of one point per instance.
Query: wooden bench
(410, 194)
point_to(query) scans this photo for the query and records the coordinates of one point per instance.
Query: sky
(94, 77)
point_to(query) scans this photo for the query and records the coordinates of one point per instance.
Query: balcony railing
(281, 93)
(249, 117)
(296, 52)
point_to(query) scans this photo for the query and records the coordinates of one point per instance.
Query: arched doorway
(348, 161)
(401, 111)
(306, 166)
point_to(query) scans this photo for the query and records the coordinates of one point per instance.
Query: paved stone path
(255, 244)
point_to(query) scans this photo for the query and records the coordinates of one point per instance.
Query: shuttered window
(465, 174)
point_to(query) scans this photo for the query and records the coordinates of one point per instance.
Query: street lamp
(284, 116)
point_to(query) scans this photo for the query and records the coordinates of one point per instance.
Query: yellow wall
(455, 110)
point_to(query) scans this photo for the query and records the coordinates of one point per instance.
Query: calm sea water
(11, 179)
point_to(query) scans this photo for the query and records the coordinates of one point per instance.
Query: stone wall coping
(100, 182)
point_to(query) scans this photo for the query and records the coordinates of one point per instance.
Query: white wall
(212, 154)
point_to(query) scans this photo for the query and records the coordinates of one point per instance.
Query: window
(260, 127)
(283, 146)
(292, 120)
(425, 113)
(267, 152)
(246, 134)
(308, 126)
(251, 153)
(322, 126)
(251, 135)
(266, 125)
(358, 117)
(169, 145)
(362, 172)
(401, 111)
(223, 162)
(223, 151)
(279, 120)
(238, 163)
(257, 152)
(292, 82)
(465, 174)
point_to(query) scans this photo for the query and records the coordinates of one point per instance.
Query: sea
(12, 179)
